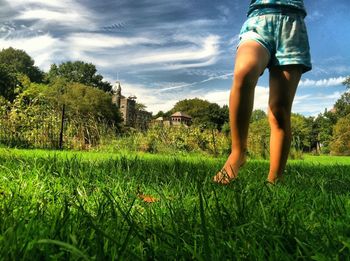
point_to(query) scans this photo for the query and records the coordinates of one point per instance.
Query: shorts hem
(255, 40)
(306, 67)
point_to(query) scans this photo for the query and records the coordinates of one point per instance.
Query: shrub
(340, 144)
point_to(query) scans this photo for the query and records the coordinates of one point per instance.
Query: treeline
(327, 133)
(204, 113)
(70, 106)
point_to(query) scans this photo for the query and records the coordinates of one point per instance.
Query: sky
(164, 51)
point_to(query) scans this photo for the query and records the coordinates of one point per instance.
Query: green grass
(343, 160)
(85, 206)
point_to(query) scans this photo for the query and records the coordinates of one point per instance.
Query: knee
(279, 117)
(246, 75)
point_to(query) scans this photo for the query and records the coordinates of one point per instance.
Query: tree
(19, 62)
(340, 144)
(79, 72)
(8, 83)
(313, 134)
(257, 115)
(347, 82)
(140, 106)
(342, 105)
(301, 131)
(203, 112)
(322, 131)
(89, 115)
(4, 107)
(324, 128)
(83, 101)
(31, 116)
(258, 138)
(162, 114)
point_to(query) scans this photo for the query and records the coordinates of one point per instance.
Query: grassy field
(100, 206)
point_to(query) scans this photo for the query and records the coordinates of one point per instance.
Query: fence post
(62, 125)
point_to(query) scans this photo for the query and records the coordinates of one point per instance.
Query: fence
(36, 135)
(53, 134)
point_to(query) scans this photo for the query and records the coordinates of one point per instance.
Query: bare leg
(283, 84)
(251, 60)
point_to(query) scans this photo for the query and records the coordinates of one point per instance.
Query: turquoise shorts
(284, 36)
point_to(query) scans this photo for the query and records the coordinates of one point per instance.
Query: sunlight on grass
(75, 205)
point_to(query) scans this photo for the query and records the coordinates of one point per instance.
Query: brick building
(132, 117)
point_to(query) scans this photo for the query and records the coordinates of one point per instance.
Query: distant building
(176, 119)
(132, 117)
(161, 121)
(143, 118)
(179, 118)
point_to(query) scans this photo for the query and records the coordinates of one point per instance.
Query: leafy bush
(258, 139)
(340, 144)
(34, 118)
(171, 140)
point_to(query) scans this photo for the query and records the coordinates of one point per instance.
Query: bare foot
(230, 170)
(272, 179)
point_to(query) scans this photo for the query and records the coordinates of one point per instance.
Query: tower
(117, 91)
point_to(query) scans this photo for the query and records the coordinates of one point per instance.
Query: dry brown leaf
(148, 198)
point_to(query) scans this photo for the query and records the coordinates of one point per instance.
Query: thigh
(251, 58)
(284, 81)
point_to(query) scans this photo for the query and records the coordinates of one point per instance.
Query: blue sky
(163, 51)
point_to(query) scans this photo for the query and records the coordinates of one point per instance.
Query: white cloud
(209, 49)
(233, 42)
(304, 104)
(53, 3)
(184, 85)
(42, 48)
(224, 10)
(322, 82)
(219, 97)
(135, 52)
(61, 13)
(179, 66)
(114, 51)
(64, 18)
(154, 102)
(93, 41)
(314, 16)
(341, 69)
(261, 98)
(313, 104)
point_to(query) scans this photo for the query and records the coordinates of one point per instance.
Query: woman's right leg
(251, 60)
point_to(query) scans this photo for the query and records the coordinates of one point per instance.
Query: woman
(274, 37)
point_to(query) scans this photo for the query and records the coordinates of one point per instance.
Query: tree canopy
(257, 115)
(83, 101)
(79, 72)
(342, 105)
(347, 82)
(340, 144)
(203, 112)
(18, 61)
(301, 132)
(8, 83)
